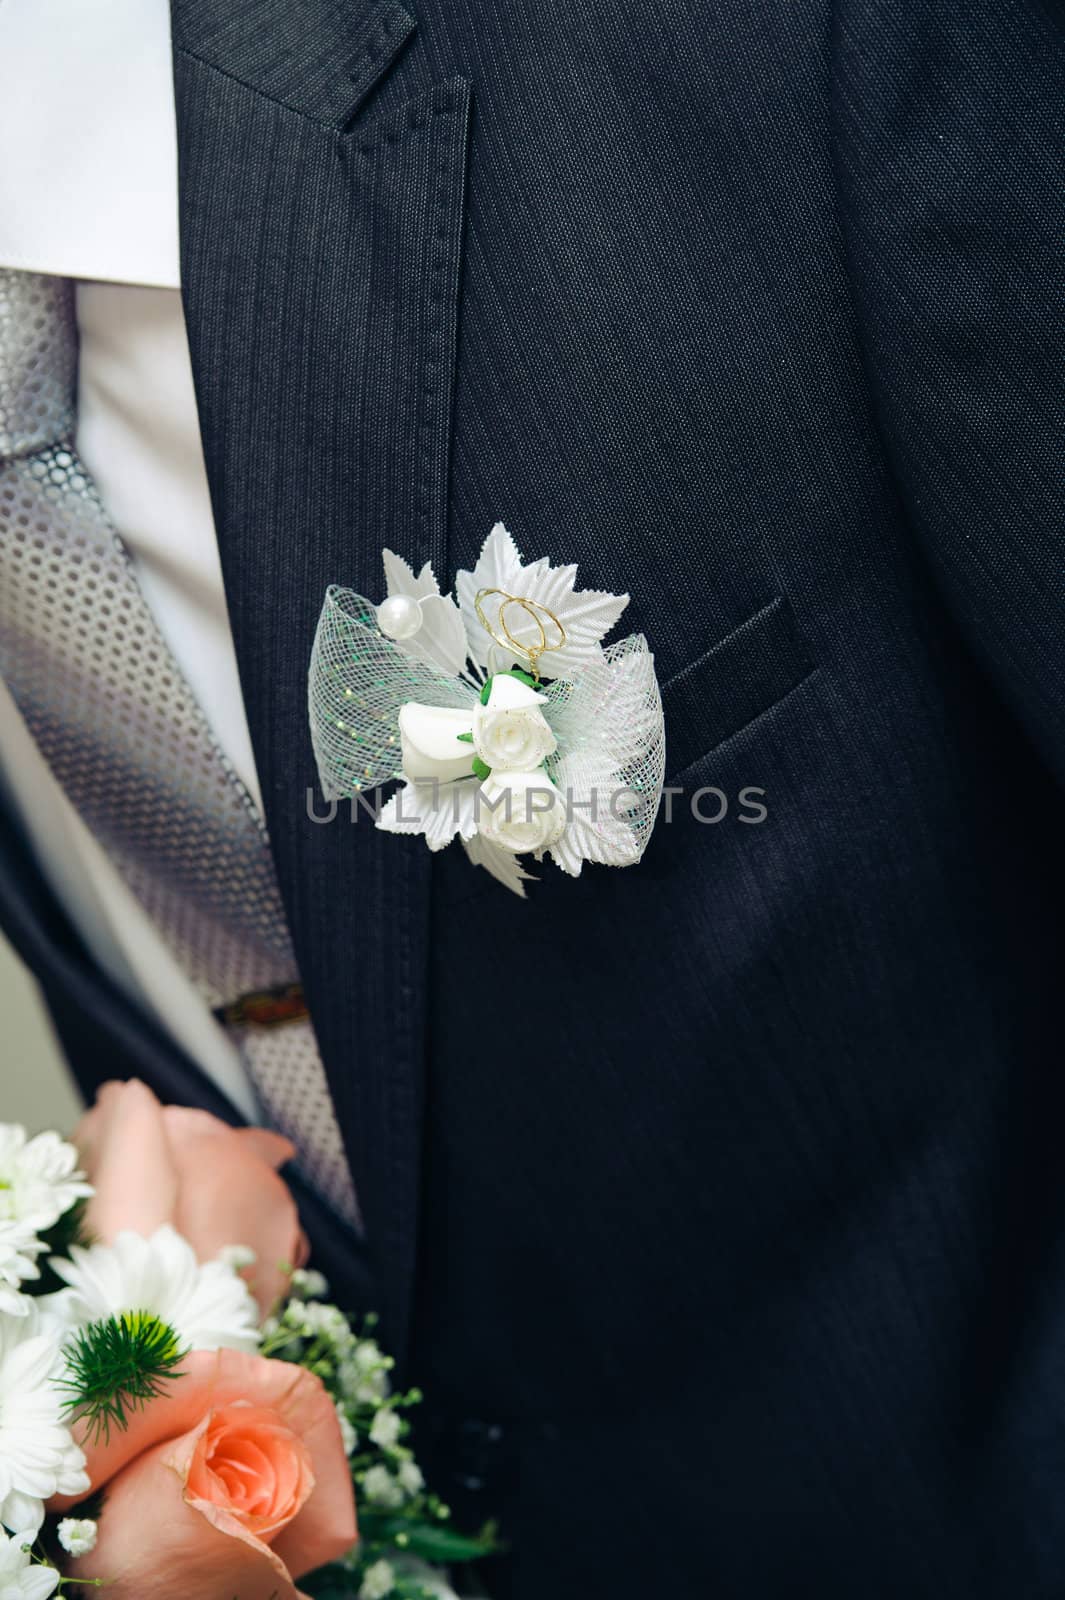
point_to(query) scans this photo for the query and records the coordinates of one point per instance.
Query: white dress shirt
(88, 190)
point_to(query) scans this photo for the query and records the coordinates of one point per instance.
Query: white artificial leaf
(610, 762)
(441, 639)
(437, 810)
(584, 616)
(400, 578)
(597, 828)
(503, 865)
(498, 567)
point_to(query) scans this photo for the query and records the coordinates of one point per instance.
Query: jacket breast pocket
(732, 683)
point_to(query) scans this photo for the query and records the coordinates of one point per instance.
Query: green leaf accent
(481, 769)
(436, 1544)
(467, 738)
(486, 691)
(117, 1366)
(522, 677)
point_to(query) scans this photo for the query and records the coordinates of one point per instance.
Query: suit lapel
(320, 267)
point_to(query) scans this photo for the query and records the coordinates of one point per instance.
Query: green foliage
(428, 1540)
(328, 1583)
(481, 769)
(338, 1583)
(117, 1366)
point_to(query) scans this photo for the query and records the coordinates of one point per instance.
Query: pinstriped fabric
(319, 61)
(354, 237)
(743, 1277)
(954, 233)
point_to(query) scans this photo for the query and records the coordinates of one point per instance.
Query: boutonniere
(500, 711)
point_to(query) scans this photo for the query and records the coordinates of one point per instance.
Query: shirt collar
(88, 150)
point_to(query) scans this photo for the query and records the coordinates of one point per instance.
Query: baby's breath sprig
(405, 1531)
(116, 1366)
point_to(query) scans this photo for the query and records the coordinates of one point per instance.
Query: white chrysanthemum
(208, 1306)
(21, 1578)
(77, 1535)
(19, 1249)
(39, 1178)
(38, 1456)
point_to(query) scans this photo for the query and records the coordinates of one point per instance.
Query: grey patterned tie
(118, 724)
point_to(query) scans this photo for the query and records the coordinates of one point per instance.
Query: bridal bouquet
(181, 1412)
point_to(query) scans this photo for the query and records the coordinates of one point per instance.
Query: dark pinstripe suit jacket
(738, 1269)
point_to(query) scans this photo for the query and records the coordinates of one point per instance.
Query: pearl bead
(399, 617)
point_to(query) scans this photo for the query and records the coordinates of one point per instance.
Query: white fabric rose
(521, 812)
(511, 733)
(431, 745)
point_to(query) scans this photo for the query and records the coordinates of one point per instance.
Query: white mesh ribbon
(358, 682)
(604, 775)
(611, 758)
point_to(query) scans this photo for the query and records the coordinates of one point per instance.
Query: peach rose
(216, 1185)
(233, 1483)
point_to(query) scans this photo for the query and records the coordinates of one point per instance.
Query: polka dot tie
(121, 730)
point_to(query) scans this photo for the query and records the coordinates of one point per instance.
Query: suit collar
(318, 58)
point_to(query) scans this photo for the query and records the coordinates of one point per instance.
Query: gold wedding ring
(538, 614)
